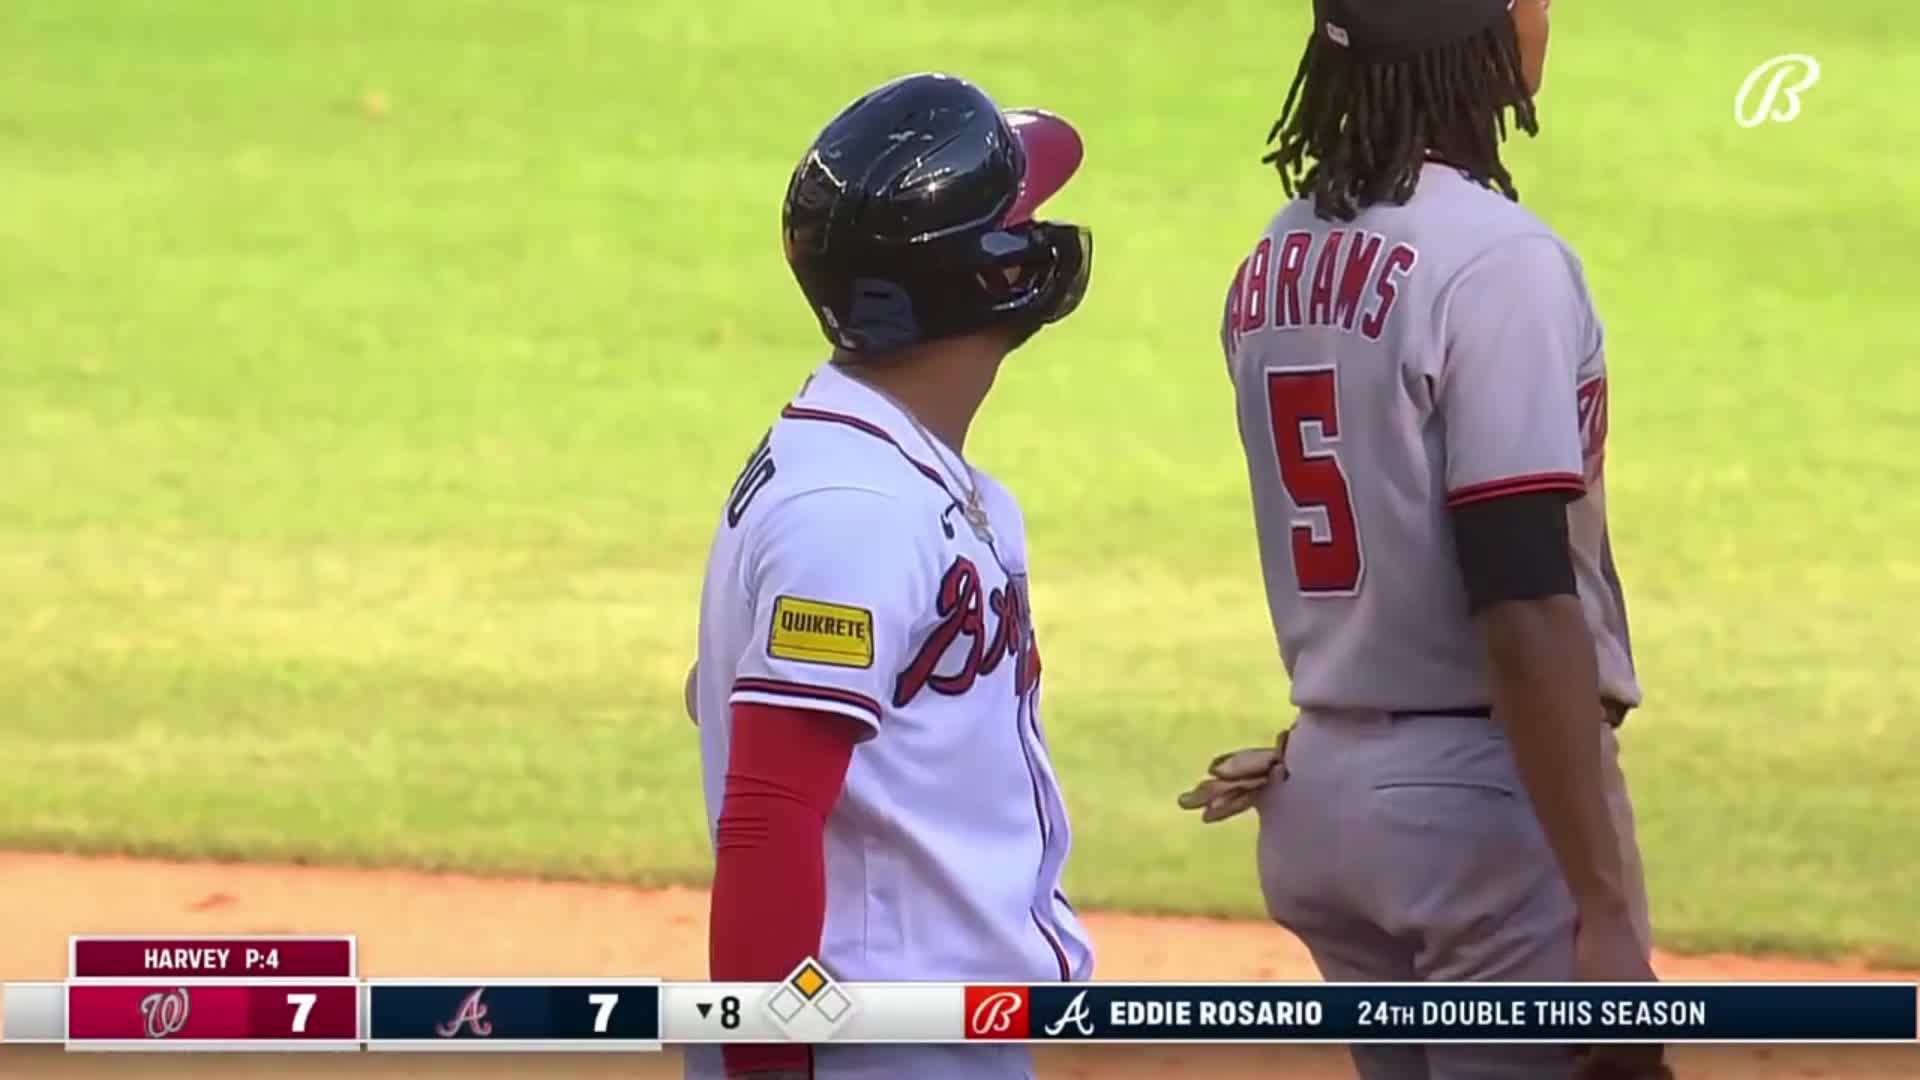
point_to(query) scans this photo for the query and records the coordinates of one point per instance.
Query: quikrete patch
(816, 632)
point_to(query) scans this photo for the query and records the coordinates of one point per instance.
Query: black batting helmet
(911, 218)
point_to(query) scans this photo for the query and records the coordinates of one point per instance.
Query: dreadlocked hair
(1368, 127)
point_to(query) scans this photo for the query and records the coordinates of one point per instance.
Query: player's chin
(1024, 329)
(1018, 334)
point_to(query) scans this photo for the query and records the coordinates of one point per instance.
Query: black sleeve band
(1514, 548)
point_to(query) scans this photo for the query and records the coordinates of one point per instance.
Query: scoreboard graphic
(306, 994)
(178, 993)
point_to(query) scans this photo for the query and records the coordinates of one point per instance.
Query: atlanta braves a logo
(1077, 1014)
(166, 1012)
(472, 1015)
(963, 605)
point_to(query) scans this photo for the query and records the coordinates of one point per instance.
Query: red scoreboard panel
(182, 993)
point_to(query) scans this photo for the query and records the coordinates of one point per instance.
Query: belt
(1615, 712)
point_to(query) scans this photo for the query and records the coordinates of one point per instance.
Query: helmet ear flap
(1043, 265)
(1055, 282)
(1071, 269)
(1008, 280)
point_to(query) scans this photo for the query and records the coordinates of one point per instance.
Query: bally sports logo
(999, 1012)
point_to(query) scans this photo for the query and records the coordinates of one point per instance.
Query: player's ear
(1530, 29)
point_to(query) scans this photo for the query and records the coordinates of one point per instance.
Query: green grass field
(371, 375)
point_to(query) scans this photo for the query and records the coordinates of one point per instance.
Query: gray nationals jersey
(1418, 358)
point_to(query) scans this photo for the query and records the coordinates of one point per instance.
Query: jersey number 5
(1326, 539)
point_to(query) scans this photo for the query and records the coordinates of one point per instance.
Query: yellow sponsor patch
(816, 632)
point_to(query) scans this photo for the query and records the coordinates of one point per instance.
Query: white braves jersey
(1386, 369)
(844, 578)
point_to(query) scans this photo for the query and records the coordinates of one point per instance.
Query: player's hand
(1234, 780)
(1606, 949)
(687, 693)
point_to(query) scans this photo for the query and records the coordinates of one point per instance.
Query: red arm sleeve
(785, 770)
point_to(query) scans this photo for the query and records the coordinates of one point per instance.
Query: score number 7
(1327, 559)
(302, 1006)
(604, 1004)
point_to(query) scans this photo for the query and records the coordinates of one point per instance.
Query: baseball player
(1422, 398)
(868, 685)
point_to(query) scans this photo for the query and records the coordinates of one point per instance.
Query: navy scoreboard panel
(512, 1014)
(306, 993)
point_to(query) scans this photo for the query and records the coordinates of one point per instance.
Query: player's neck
(942, 392)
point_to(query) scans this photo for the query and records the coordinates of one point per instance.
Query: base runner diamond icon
(833, 1004)
(809, 980)
(809, 1006)
(785, 1004)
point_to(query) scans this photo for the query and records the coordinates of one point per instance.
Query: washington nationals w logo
(471, 1015)
(165, 1012)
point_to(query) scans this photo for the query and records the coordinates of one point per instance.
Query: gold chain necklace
(974, 510)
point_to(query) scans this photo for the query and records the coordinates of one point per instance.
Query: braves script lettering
(995, 1013)
(963, 608)
(471, 1015)
(165, 1012)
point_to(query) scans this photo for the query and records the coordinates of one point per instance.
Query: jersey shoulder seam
(759, 535)
(855, 471)
(823, 487)
(1498, 244)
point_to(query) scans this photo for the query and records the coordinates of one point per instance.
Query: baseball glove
(1234, 780)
